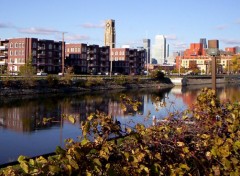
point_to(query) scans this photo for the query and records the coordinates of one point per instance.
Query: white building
(159, 49)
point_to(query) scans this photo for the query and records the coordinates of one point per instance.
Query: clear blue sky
(181, 21)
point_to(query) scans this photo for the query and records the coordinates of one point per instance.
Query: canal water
(22, 133)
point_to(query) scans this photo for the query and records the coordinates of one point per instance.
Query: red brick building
(45, 55)
(76, 57)
(231, 50)
(128, 61)
(196, 49)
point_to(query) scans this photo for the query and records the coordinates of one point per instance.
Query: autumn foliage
(203, 140)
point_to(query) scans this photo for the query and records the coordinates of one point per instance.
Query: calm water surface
(21, 133)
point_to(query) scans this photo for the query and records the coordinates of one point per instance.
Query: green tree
(3, 69)
(235, 66)
(27, 69)
(157, 74)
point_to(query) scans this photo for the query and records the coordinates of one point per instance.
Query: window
(11, 53)
(34, 53)
(34, 60)
(50, 46)
(72, 49)
(16, 45)
(11, 45)
(50, 54)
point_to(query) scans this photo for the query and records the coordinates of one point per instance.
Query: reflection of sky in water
(172, 102)
(35, 143)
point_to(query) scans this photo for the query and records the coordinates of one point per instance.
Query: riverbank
(51, 86)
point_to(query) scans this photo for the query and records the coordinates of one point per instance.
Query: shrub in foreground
(203, 140)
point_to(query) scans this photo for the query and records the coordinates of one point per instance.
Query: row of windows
(34, 45)
(17, 61)
(118, 58)
(76, 50)
(17, 53)
(17, 45)
(120, 53)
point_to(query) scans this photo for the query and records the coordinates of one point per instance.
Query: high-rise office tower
(204, 42)
(146, 45)
(110, 34)
(159, 49)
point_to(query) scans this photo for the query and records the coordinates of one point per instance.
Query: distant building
(203, 41)
(110, 34)
(230, 50)
(195, 49)
(237, 50)
(159, 49)
(147, 47)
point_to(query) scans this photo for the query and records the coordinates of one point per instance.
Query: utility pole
(213, 51)
(179, 64)
(63, 53)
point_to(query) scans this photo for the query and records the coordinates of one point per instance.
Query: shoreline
(12, 91)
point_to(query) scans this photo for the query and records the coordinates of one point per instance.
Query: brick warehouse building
(128, 61)
(45, 54)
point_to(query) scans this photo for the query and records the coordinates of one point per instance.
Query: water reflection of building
(25, 118)
(27, 115)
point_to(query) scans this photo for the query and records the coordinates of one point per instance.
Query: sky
(181, 21)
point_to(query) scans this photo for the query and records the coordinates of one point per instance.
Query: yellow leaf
(184, 166)
(180, 144)
(205, 136)
(218, 141)
(208, 155)
(185, 150)
(158, 156)
(72, 119)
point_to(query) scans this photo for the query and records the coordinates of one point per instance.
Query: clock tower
(110, 35)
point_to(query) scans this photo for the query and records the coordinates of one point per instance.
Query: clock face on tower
(107, 25)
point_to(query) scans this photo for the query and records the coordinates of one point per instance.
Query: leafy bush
(52, 80)
(157, 74)
(203, 140)
(94, 82)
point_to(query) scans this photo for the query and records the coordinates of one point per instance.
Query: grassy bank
(55, 84)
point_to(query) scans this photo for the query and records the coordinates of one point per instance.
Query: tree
(235, 63)
(27, 69)
(3, 69)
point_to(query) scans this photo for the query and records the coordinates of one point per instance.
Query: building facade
(110, 33)
(128, 60)
(76, 57)
(159, 49)
(44, 55)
